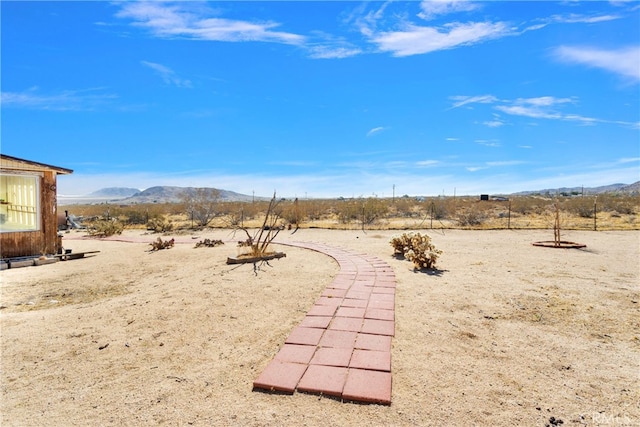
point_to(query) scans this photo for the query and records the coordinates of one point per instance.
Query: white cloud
(415, 40)
(505, 163)
(433, 8)
(488, 143)
(542, 107)
(495, 123)
(376, 130)
(582, 19)
(68, 100)
(464, 100)
(427, 163)
(624, 62)
(629, 160)
(333, 52)
(543, 101)
(538, 108)
(191, 20)
(167, 74)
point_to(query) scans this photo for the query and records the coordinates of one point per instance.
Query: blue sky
(325, 99)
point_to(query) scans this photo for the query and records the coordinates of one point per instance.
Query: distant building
(28, 207)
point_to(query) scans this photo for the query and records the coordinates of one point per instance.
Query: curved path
(342, 347)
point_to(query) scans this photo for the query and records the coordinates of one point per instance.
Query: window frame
(37, 177)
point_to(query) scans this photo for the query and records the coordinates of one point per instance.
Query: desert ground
(502, 333)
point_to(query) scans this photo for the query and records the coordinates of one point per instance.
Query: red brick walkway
(342, 347)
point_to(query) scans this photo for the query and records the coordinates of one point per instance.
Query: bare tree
(200, 204)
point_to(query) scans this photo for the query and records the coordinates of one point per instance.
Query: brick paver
(342, 347)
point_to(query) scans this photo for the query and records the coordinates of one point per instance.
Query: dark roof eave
(57, 169)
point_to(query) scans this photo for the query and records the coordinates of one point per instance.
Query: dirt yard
(504, 333)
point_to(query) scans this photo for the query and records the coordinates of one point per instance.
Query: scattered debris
(265, 257)
(553, 421)
(162, 244)
(209, 243)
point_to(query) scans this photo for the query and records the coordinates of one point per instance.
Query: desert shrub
(416, 248)
(105, 228)
(366, 211)
(471, 217)
(373, 209)
(348, 211)
(580, 206)
(624, 205)
(293, 213)
(438, 210)
(316, 209)
(404, 207)
(200, 204)
(159, 225)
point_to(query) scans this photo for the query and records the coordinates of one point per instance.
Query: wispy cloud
(495, 123)
(494, 164)
(624, 62)
(68, 100)
(192, 21)
(505, 163)
(488, 142)
(460, 100)
(542, 107)
(326, 51)
(574, 18)
(431, 9)
(629, 160)
(167, 74)
(539, 108)
(415, 40)
(376, 130)
(427, 163)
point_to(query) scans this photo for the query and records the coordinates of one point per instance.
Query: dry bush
(580, 206)
(293, 213)
(404, 207)
(416, 248)
(256, 245)
(105, 228)
(160, 225)
(209, 243)
(200, 204)
(471, 217)
(162, 244)
(367, 211)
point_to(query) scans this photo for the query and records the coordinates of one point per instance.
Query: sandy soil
(504, 333)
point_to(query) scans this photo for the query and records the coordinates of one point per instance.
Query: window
(19, 203)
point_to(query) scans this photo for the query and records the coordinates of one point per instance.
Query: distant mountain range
(613, 188)
(158, 194)
(169, 194)
(113, 193)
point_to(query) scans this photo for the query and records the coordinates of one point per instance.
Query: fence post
(595, 214)
(509, 217)
(433, 208)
